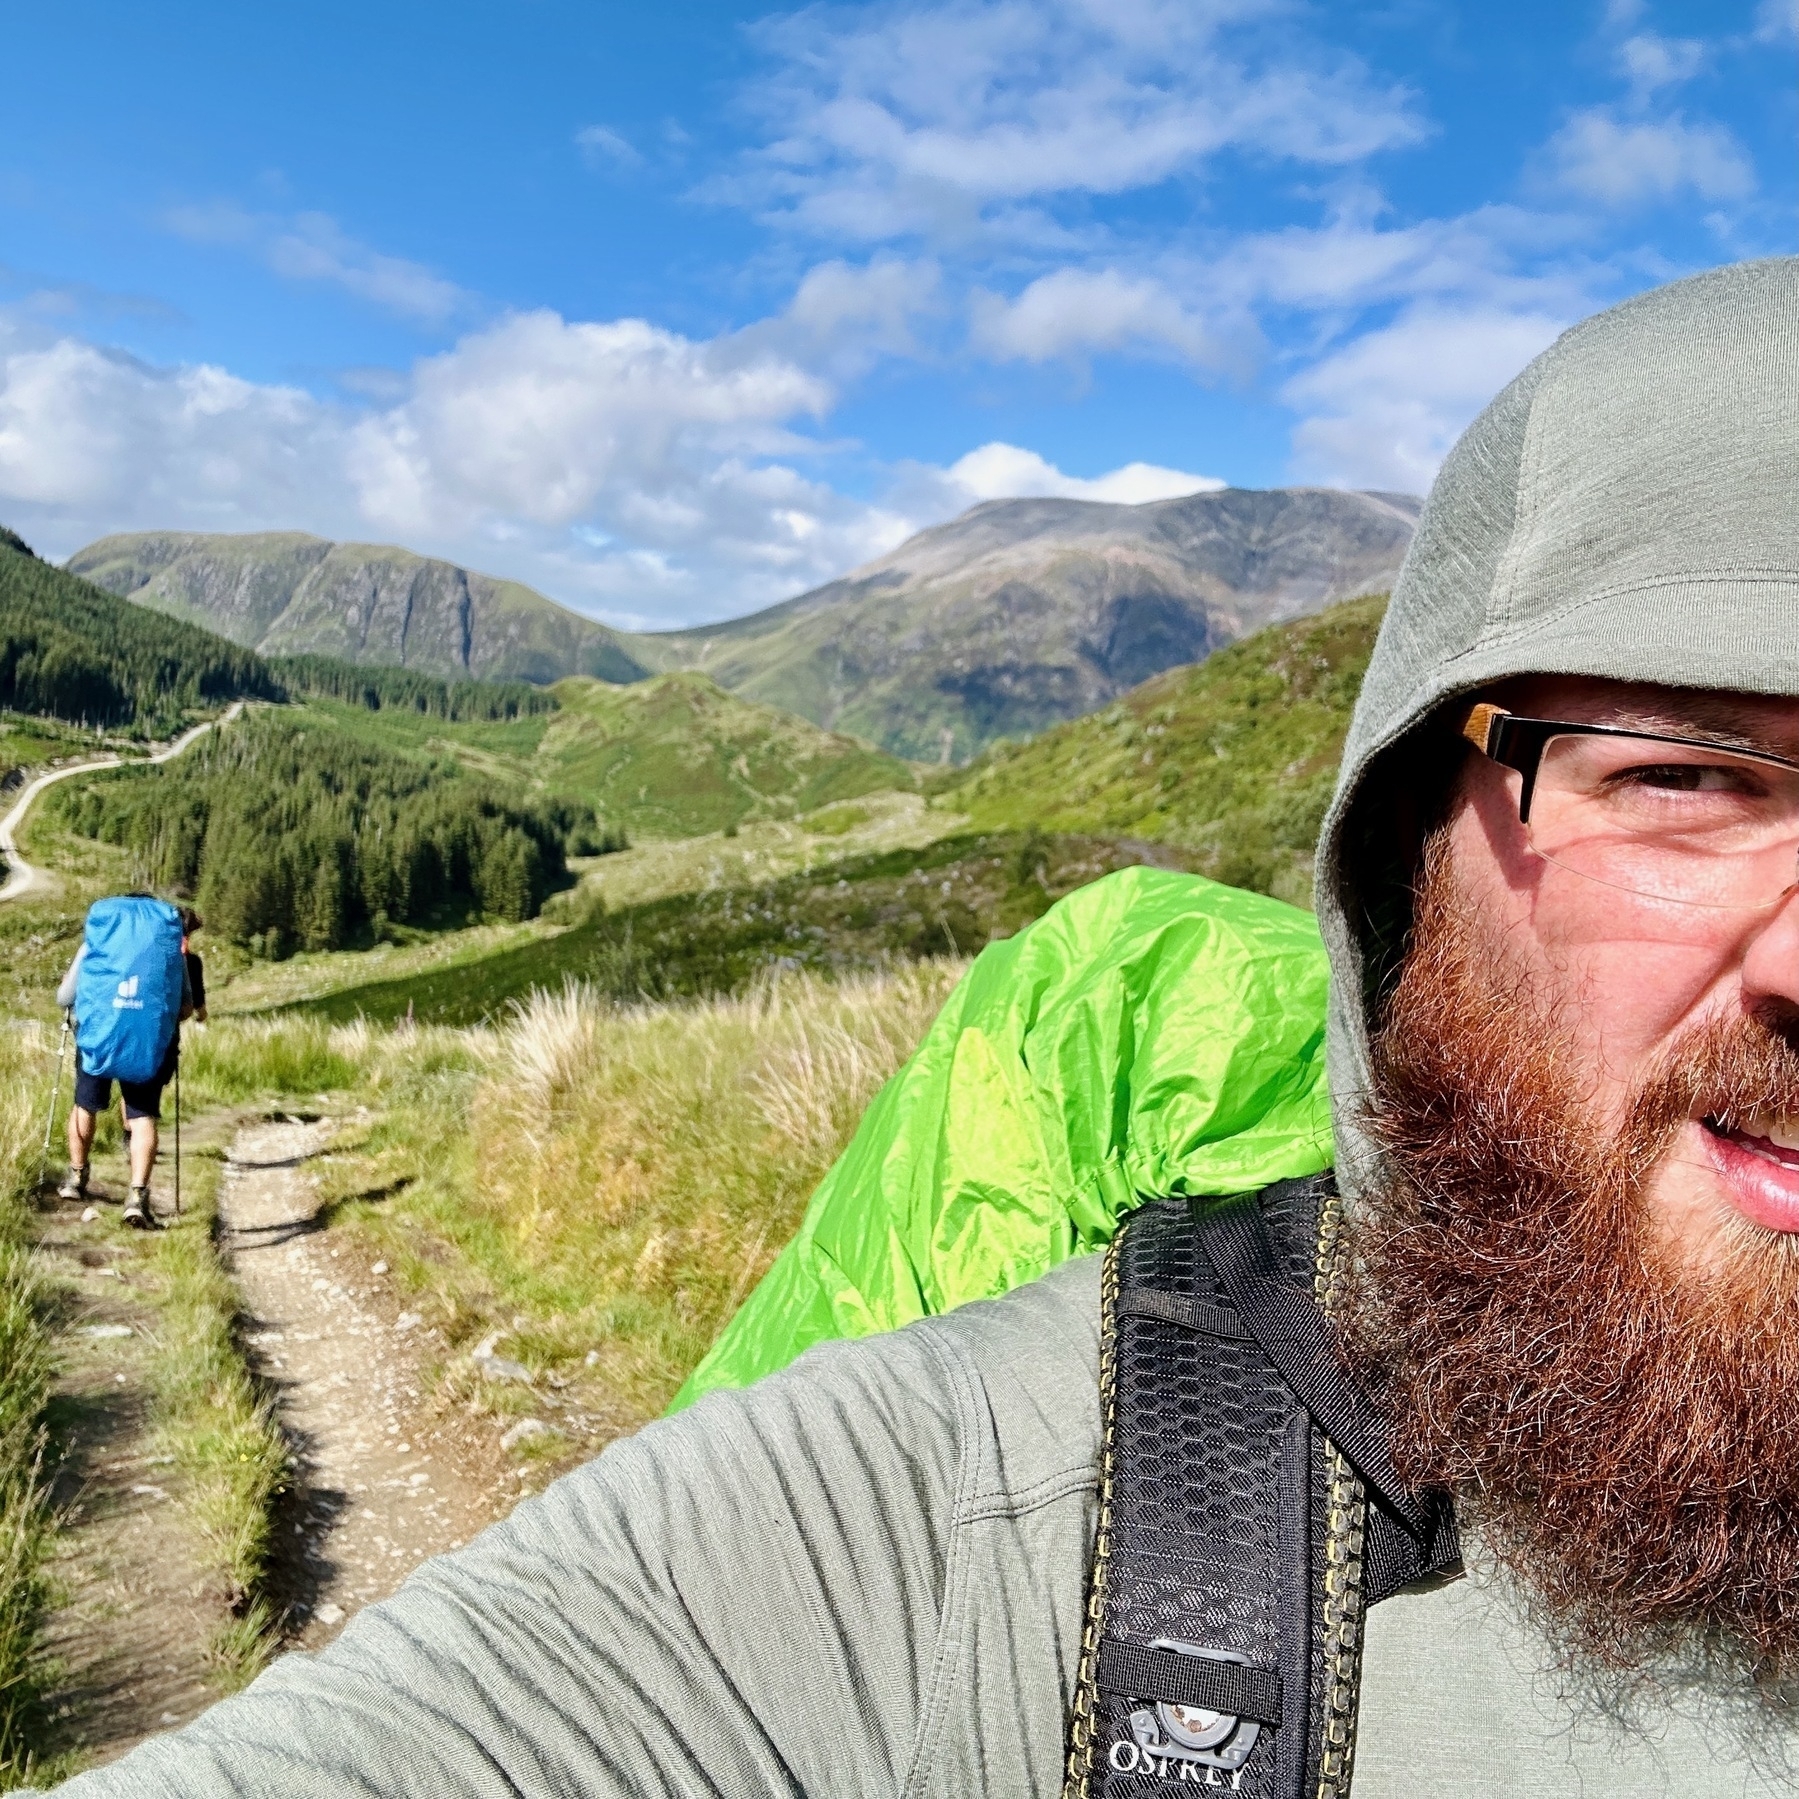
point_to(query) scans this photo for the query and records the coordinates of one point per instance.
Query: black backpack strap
(1249, 1510)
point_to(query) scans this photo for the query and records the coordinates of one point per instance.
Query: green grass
(250, 1061)
(28, 742)
(27, 1365)
(672, 757)
(604, 1184)
(213, 1420)
(1232, 759)
(949, 898)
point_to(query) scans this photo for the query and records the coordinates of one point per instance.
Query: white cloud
(315, 249)
(1078, 312)
(927, 118)
(843, 316)
(1777, 19)
(542, 419)
(1002, 471)
(1384, 409)
(601, 146)
(1600, 156)
(613, 463)
(89, 437)
(1650, 62)
(312, 246)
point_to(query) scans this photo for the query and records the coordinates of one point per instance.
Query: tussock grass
(26, 1368)
(609, 1181)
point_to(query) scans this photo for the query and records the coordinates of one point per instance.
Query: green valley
(1232, 760)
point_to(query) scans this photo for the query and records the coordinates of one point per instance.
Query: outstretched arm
(740, 1601)
(65, 992)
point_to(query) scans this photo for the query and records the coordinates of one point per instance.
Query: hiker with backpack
(132, 983)
(1467, 1465)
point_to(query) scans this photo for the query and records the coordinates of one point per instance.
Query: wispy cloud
(1382, 410)
(1618, 161)
(939, 120)
(1084, 312)
(602, 147)
(312, 246)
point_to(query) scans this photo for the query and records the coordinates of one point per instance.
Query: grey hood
(1627, 508)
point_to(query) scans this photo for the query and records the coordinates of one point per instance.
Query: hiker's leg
(143, 1149)
(93, 1094)
(81, 1135)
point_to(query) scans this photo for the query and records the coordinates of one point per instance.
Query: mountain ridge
(290, 593)
(1021, 614)
(1015, 616)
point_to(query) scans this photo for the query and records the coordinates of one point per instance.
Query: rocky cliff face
(1022, 613)
(286, 593)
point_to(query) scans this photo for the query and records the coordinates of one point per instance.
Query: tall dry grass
(607, 1183)
(26, 1365)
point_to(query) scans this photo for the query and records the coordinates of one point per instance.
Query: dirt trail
(24, 877)
(375, 1497)
(138, 1612)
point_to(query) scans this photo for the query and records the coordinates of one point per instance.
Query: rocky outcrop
(285, 593)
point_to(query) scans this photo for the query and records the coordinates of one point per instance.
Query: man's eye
(1686, 777)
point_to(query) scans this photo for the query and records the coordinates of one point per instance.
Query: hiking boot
(137, 1210)
(74, 1184)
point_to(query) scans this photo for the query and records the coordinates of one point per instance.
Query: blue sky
(675, 311)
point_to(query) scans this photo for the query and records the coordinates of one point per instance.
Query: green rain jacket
(1153, 1034)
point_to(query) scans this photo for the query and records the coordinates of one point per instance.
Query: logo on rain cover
(128, 996)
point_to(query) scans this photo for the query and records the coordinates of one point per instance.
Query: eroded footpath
(380, 1485)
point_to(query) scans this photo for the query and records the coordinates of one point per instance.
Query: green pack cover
(1152, 1034)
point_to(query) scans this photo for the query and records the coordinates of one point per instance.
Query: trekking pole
(62, 1043)
(178, 1121)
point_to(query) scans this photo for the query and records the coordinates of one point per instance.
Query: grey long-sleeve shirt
(863, 1576)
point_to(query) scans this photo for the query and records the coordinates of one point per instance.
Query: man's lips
(1760, 1174)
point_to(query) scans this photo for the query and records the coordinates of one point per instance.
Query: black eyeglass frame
(1515, 742)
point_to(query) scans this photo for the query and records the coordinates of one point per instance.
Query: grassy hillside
(672, 757)
(951, 898)
(70, 651)
(678, 756)
(1232, 760)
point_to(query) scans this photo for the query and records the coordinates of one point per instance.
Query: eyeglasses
(1670, 818)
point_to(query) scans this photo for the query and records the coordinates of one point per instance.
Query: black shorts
(143, 1099)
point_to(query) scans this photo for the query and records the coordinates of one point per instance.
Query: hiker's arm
(65, 992)
(742, 1600)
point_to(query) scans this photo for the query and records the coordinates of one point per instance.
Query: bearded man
(1562, 1282)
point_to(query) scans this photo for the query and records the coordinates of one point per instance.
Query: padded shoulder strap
(1248, 1510)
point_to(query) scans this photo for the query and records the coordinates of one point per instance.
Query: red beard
(1624, 1433)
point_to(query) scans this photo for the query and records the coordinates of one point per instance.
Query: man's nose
(1771, 961)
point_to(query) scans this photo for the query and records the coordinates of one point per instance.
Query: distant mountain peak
(1020, 613)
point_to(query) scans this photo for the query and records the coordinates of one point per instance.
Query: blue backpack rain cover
(128, 989)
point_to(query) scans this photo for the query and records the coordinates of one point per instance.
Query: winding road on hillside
(25, 877)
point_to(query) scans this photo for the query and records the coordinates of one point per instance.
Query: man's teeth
(1781, 1130)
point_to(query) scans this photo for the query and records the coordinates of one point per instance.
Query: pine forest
(290, 835)
(71, 651)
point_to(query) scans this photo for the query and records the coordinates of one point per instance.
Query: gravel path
(376, 1497)
(24, 877)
